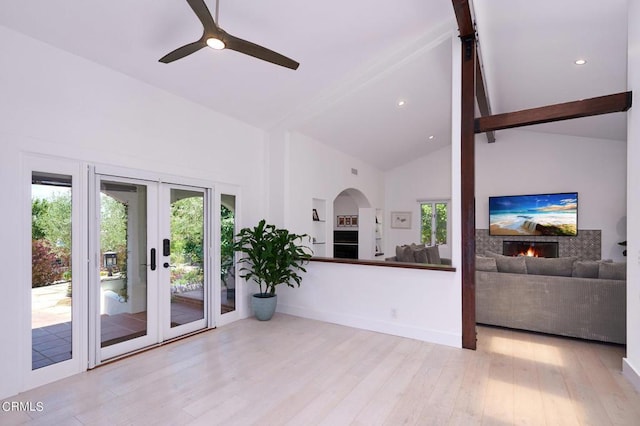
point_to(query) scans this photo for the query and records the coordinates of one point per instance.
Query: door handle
(153, 259)
(166, 247)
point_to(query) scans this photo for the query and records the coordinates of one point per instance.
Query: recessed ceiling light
(401, 103)
(580, 62)
(431, 137)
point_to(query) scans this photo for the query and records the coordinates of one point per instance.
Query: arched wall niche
(354, 224)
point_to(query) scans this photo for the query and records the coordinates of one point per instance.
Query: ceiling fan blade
(252, 49)
(202, 12)
(183, 51)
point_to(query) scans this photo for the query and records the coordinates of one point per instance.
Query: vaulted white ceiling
(358, 58)
(529, 49)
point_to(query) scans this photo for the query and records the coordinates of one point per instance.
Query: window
(433, 222)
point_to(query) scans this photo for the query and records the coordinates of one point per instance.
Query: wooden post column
(467, 181)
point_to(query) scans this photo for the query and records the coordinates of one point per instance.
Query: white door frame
(160, 333)
(79, 313)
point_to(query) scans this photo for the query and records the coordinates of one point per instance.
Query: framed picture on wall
(341, 221)
(354, 220)
(347, 221)
(401, 220)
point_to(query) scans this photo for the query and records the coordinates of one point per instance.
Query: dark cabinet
(345, 244)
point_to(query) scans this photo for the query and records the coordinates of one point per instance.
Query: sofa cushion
(510, 264)
(487, 264)
(405, 254)
(559, 266)
(433, 253)
(612, 270)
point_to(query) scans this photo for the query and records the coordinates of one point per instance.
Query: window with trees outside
(433, 222)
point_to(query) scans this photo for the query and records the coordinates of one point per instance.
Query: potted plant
(272, 257)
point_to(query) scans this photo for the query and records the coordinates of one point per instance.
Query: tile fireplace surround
(587, 245)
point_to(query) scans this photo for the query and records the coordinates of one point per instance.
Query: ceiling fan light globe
(215, 43)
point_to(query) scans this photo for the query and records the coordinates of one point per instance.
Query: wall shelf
(319, 226)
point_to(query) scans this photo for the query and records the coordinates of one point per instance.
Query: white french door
(183, 269)
(151, 271)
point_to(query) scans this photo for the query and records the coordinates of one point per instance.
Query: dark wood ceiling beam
(618, 102)
(481, 95)
(463, 16)
(467, 30)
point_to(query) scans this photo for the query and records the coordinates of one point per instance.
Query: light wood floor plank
(294, 371)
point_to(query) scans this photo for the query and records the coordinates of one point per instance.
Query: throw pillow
(513, 265)
(612, 270)
(487, 264)
(433, 253)
(587, 268)
(559, 266)
(492, 254)
(405, 254)
(420, 255)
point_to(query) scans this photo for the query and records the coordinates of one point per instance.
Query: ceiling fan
(217, 38)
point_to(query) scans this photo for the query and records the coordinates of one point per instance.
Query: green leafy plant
(272, 256)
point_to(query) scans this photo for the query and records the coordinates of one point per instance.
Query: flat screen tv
(540, 214)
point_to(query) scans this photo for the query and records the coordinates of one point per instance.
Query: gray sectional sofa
(419, 253)
(563, 296)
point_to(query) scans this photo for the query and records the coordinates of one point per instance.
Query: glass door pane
(123, 263)
(186, 257)
(51, 298)
(227, 255)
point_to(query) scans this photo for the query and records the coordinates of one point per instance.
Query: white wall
(55, 103)
(345, 205)
(315, 170)
(426, 178)
(631, 364)
(526, 162)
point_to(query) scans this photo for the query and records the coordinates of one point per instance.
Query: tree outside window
(433, 222)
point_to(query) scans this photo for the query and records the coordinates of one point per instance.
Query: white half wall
(55, 103)
(403, 302)
(631, 364)
(526, 162)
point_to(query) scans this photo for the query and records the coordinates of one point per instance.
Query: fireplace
(530, 248)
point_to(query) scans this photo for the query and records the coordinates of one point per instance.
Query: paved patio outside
(51, 323)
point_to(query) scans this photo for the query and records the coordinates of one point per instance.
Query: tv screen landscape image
(541, 214)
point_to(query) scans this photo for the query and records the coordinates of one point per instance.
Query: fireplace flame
(530, 252)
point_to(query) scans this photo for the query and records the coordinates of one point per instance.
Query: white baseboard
(395, 329)
(631, 374)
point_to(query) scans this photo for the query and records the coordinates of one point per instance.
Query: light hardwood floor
(294, 371)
